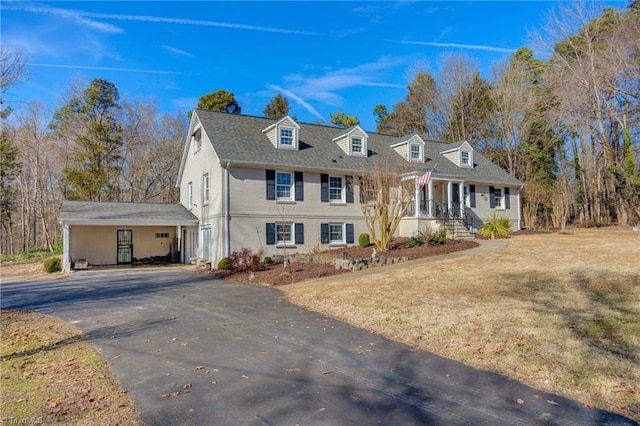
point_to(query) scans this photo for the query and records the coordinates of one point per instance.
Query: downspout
(227, 214)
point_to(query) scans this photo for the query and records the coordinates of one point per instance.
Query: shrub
(496, 227)
(364, 240)
(224, 264)
(426, 232)
(52, 264)
(439, 237)
(267, 260)
(414, 241)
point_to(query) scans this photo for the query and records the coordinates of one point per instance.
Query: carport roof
(132, 214)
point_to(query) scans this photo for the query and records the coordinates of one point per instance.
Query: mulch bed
(280, 274)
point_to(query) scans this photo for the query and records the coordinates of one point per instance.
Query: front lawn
(557, 311)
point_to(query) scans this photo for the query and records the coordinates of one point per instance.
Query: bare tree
(13, 72)
(386, 196)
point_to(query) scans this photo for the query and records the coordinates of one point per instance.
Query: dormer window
(284, 133)
(353, 142)
(286, 136)
(465, 158)
(356, 145)
(415, 152)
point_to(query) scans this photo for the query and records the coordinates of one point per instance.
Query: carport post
(66, 251)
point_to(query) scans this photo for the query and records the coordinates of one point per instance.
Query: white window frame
(282, 138)
(190, 194)
(279, 232)
(342, 189)
(291, 186)
(462, 158)
(205, 189)
(498, 199)
(197, 140)
(352, 145)
(343, 232)
(411, 152)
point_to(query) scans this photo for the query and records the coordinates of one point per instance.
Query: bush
(496, 227)
(364, 240)
(52, 264)
(414, 241)
(267, 260)
(224, 264)
(438, 238)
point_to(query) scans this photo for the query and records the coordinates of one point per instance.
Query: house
(280, 185)
(109, 233)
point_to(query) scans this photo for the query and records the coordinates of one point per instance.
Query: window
(497, 196)
(464, 158)
(336, 233)
(197, 140)
(336, 189)
(205, 189)
(415, 152)
(286, 136)
(283, 234)
(356, 145)
(190, 194)
(284, 185)
(162, 235)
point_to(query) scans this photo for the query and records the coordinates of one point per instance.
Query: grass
(51, 374)
(559, 312)
(31, 254)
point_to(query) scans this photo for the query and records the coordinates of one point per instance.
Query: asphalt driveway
(192, 350)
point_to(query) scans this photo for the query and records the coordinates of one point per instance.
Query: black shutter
(324, 233)
(324, 188)
(349, 233)
(349, 188)
(492, 198)
(271, 184)
(271, 233)
(299, 233)
(299, 186)
(472, 195)
(361, 185)
(507, 203)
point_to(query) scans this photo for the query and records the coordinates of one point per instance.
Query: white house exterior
(279, 185)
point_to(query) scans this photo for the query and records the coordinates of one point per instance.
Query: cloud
(459, 46)
(82, 67)
(176, 51)
(77, 14)
(326, 87)
(296, 98)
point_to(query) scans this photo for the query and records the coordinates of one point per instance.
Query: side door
(125, 246)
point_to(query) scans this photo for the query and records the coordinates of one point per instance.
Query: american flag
(424, 179)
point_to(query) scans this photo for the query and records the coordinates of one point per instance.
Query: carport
(111, 233)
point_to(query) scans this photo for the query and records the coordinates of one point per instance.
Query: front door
(125, 246)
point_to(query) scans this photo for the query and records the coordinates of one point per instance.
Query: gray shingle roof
(97, 212)
(240, 139)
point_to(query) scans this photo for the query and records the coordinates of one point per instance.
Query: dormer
(461, 156)
(411, 150)
(284, 134)
(354, 142)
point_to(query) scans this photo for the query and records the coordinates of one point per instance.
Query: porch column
(417, 199)
(449, 193)
(461, 198)
(430, 198)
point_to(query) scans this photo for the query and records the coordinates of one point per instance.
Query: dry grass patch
(50, 374)
(559, 312)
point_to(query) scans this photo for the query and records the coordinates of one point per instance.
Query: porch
(439, 203)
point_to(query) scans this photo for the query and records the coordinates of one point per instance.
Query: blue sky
(324, 56)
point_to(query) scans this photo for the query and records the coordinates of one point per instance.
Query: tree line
(567, 126)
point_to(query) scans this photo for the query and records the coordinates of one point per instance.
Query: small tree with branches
(386, 196)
